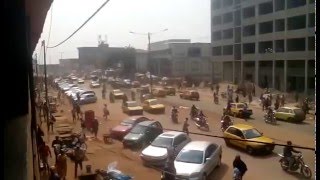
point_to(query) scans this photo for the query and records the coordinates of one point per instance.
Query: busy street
(99, 154)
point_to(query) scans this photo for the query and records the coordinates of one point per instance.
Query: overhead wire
(81, 25)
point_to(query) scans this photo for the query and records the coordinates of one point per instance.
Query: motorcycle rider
(270, 113)
(174, 113)
(226, 121)
(193, 111)
(287, 153)
(202, 118)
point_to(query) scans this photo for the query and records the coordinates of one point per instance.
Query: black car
(142, 134)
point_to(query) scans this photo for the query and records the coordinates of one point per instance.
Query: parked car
(117, 93)
(190, 94)
(80, 81)
(125, 126)
(144, 97)
(290, 114)
(158, 92)
(88, 98)
(142, 134)
(197, 160)
(239, 110)
(152, 105)
(246, 132)
(94, 84)
(170, 90)
(156, 152)
(132, 108)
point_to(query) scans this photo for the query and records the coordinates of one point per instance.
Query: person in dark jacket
(239, 164)
(95, 127)
(287, 153)
(169, 171)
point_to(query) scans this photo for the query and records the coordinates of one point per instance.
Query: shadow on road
(220, 172)
(297, 175)
(257, 155)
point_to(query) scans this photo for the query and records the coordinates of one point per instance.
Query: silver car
(88, 98)
(156, 153)
(197, 160)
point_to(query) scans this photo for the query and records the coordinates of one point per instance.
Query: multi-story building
(181, 58)
(141, 60)
(269, 42)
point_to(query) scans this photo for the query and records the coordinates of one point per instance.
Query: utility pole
(45, 82)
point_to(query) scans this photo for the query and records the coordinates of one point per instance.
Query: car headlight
(195, 175)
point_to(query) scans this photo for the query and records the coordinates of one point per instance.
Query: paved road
(260, 167)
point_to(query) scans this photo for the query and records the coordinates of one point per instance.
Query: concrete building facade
(69, 65)
(269, 42)
(180, 58)
(141, 60)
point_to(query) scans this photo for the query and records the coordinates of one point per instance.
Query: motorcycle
(202, 123)
(174, 117)
(298, 163)
(225, 125)
(270, 119)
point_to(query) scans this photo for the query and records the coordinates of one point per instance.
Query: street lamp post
(149, 49)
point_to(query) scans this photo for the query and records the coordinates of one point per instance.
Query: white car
(80, 81)
(94, 84)
(197, 160)
(156, 153)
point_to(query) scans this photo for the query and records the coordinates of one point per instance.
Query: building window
(279, 25)
(266, 27)
(227, 17)
(216, 20)
(216, 51)
(249, 48)
(216, 4)
(237, 34)
(227, 34)
(265, 8)
(265, 47)
(237, 51)
(279, 5)
(237, 18)
(216, 35)
(195, 66)
(311, 43)
(279, 45)
(227, 50)
(180, 65)
(311, 20)
(296, 44)
(249, 30)
(227, 3)
(296, 22)
(295, 3)
(248, 12)
(194, 52)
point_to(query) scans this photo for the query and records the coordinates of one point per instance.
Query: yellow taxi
(158, 92)
(247, 132)
(239, 110)
(152, 105)
(117, 93)
(132, 108)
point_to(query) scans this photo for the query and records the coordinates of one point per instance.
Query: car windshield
(190, 156)
(162, 142)
(240, 106)
(127, 122)
(298, 111)
(154, 102)
(138, 129)
(132, 104)
(251, 133)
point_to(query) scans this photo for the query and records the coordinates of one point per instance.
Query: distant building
(181, 58)
(103, 56)
(68, 65)
(271, 43)
(52, 69)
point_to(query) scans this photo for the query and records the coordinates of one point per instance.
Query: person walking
(95, 127)
(61, 165)
(236, 174)
(45, 152)
(78, 157)
(237, 98)
(169, 171)
(240, 165)
(105, 112)
(185, 127)
(57, 142)
(103, 93)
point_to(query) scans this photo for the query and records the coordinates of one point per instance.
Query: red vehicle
(125, 126)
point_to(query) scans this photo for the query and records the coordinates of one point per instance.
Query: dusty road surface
(262, 167)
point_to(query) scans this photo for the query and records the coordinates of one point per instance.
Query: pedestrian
(95, 127)
(105, 112)
(45, 152)
(240, 165)
(103, 93)
(45, 110)
(74, 114)
(253, 90)
(169, 170)
(57, 142)
(111, 97)
(185, 127)
(78, 97)
(52, 120)
(236, 174)
(78, 156)
(237, 98)
(217, 88)
(61, 165)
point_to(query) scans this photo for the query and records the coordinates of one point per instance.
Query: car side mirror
(207, 159)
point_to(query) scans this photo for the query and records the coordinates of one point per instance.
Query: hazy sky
(183, 18)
